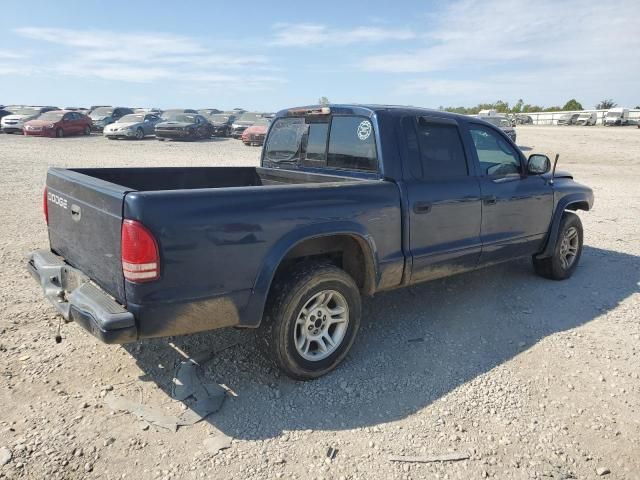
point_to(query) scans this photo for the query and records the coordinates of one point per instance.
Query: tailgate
(85, 218)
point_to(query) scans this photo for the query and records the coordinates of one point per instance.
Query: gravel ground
(531, 378)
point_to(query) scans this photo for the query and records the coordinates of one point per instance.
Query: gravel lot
(531, 378)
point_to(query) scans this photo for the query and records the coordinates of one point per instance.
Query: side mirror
(538, 164)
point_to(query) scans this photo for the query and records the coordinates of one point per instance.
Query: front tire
(87, 130)
(60, 133)
(139, 134)
(311, 320)
(567, 252)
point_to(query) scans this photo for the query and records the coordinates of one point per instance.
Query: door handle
(490, 200)
(421, 207)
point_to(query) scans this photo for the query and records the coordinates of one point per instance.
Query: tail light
(45, 206)
(140, 259)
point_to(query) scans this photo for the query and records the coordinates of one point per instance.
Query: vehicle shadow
(415, 346)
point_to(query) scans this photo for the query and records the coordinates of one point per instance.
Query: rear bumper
(77, 299)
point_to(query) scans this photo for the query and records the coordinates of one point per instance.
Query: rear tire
(139, 134)
(311, 320)
(87, 130)
(567, 252)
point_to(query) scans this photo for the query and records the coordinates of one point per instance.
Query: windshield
(133, 118)
(25, 111)
(613, 114)
(52, 116)
(249, 117)
(172, 114)
(219, 118)
(284, 140)
(181, 117)
(102, 112)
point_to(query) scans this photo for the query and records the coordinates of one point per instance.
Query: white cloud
(148, 57)
(307, 35)
(520, 47)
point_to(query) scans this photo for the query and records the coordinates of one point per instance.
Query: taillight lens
(140, 259)
(45, 206)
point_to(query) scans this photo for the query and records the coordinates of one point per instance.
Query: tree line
(521, 107)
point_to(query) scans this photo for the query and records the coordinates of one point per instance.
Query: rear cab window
(343, 142)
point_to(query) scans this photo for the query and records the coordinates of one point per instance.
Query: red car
(255, 134)
(58, 123)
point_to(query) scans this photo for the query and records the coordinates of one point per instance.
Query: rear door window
(441, 150)
(352, 144)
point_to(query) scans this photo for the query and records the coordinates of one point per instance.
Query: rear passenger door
(444, 199)
(516, 208)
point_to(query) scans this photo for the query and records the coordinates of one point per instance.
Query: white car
(587, 118)
(14, 123)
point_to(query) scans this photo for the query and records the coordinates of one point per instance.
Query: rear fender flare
(262, 285)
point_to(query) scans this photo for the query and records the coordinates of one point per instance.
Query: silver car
(134, 125)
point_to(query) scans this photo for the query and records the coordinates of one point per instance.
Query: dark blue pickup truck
(349, 200)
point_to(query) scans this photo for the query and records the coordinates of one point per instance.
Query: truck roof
(367, 110)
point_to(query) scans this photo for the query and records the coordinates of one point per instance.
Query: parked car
(523, 119)
(103, 116)
(3, 113)
(256, 133)
(134, 125)
(243, 122)
(221, 124)
(58, 123)
(209, 111)
(616, 116)
(349, 200)
(84, 111)
(184, 126)
(587, 118)
(15, 122)
(504, 124)
(155, 111)
(568, 119)
(170, 114)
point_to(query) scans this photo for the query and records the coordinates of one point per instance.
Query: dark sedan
(222, 124)
(186, 126)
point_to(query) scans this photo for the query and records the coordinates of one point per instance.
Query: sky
(278, 54)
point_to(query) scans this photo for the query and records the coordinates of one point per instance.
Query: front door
(444, 199)
(516, 208)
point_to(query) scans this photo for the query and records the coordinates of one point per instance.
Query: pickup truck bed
(251, 216)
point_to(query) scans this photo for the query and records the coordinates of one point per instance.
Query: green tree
(517, 108)
(323, 101)
(572, 104)
(606, 104)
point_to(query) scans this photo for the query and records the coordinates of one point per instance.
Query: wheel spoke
(328, 340)
(322, 346)
(336, 311)
(327, 299)
(563, 260)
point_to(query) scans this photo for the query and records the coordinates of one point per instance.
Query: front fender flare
(255, 308)
(565, 203)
